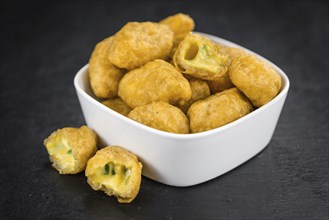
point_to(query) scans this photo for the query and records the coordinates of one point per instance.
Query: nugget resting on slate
(200, 57)
(157, 80)
(69, 149)
(181, 25)
(118, 105)
(200, 90)
(217, 110)
(104, 77)
(116, 171)
(161, 116)
(140, 42)
(254, 77)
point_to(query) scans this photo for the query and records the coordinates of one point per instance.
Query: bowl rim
(283, 92)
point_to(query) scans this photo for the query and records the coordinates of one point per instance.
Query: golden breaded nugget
(181, 25)
(221, 84)
(140, 42)
(161, 116)
(257, 79)
(118, 105)
(231, 52)
(217, 110)
(200, 90)
(104, 77)
(155, 81)
(69, 149)
(116, 171)
(224, 82)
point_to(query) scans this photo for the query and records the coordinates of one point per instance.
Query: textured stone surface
(44, 44)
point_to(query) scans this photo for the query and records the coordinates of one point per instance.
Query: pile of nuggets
(166, 77)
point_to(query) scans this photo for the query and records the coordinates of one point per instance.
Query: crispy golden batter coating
(116, 171)
(140, 42)
(257, 79)
(104, 77)
(155, 81)
(181, 25)
(69, 149)
(118, 105)
(217, 110)
(220, 84)
(224, 82)
(231, 52)
(161, 116)
(200, 57)
(200, 90)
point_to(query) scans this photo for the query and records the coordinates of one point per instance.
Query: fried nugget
(220, 84)
(257, 79)
(200, 57)
(118, 105)
(200, 90)
(181, 25)
(157, 80)
(116, 171)
(217, 110)
(161, 116)
(69, 149)
(140, 42)
(224, 82)
(104, 77)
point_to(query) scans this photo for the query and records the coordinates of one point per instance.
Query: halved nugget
(157, 80)
(217, 110)
(200, 57)
(162, 116)
(254, 77)
(116, 171)
(140, 42)
(69, 149)
(104, 77)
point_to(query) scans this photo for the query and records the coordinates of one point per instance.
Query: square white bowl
(184, 159)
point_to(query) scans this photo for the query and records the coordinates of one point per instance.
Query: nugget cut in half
(116, 171)
(69, 149)
(200, 57)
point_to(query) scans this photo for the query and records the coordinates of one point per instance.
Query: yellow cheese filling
(114, 176)
(61, 153)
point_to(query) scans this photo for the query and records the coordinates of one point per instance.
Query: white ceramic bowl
(184, 159)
